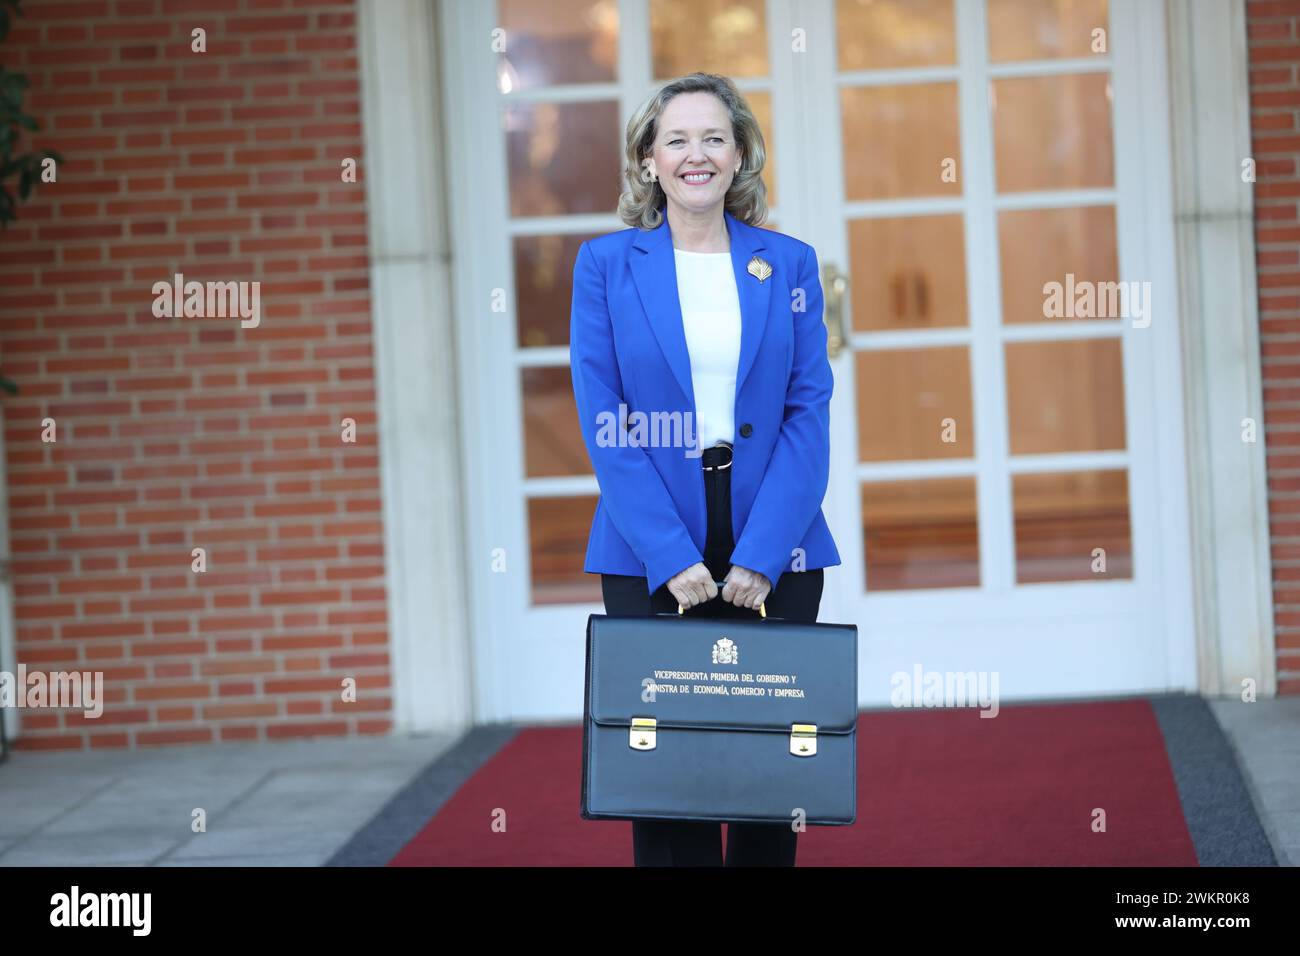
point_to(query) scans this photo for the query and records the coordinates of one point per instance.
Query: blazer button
(746, 430)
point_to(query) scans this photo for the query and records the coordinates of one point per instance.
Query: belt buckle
(722, 444)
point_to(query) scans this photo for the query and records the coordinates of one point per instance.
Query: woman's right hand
(693, 586)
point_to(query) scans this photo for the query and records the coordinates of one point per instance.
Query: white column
(415, 367)
(8, 637)
(1216, 252)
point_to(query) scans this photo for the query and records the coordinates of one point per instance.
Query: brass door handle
(834, 285)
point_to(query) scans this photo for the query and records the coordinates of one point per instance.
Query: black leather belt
(718, 457)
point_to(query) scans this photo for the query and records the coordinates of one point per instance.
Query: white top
(706, 290)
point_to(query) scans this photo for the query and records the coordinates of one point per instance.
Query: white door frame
(418, 407)
(975, 628)
(1214, 218)
(12, 716)
(1234, 622)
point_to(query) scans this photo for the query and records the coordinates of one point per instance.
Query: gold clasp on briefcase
(642, 735)
(803, 739)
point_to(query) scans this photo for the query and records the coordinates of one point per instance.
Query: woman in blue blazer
(703, 388)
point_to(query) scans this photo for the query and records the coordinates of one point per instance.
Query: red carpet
(935, 788)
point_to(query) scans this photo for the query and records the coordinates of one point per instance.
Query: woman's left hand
(745, 588)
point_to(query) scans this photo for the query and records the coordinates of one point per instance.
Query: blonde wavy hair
(642, 201)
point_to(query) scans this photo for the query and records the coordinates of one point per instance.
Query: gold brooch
(759, 269)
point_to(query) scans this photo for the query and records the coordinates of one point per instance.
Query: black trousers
(796, 597)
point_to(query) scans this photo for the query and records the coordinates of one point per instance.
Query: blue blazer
(627, 346)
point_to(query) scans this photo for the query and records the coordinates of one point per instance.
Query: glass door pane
(908, 273)
(563, 158)
(888, 34)
(1053, 138)
(709, 36)
(1047, 370)
(1044, 29)
(896, 139)
(557, 42)
(564, 151)
(900, 133)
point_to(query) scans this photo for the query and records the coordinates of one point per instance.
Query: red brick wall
(178, 433)
(1274, 38)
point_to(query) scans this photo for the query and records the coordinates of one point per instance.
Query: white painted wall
(419, 441)
(1214, 218)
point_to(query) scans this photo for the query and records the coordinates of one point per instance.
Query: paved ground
(298, 802)
(289, 803)
(1266, 738)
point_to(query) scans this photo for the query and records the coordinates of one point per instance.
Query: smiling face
(695, 154)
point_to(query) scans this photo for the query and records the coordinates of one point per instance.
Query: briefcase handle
(681, 610)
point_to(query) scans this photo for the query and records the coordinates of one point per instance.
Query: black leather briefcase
(696, 718)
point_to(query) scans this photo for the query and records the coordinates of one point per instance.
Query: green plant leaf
(14, 84)
(17, 11)
(14, 124)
